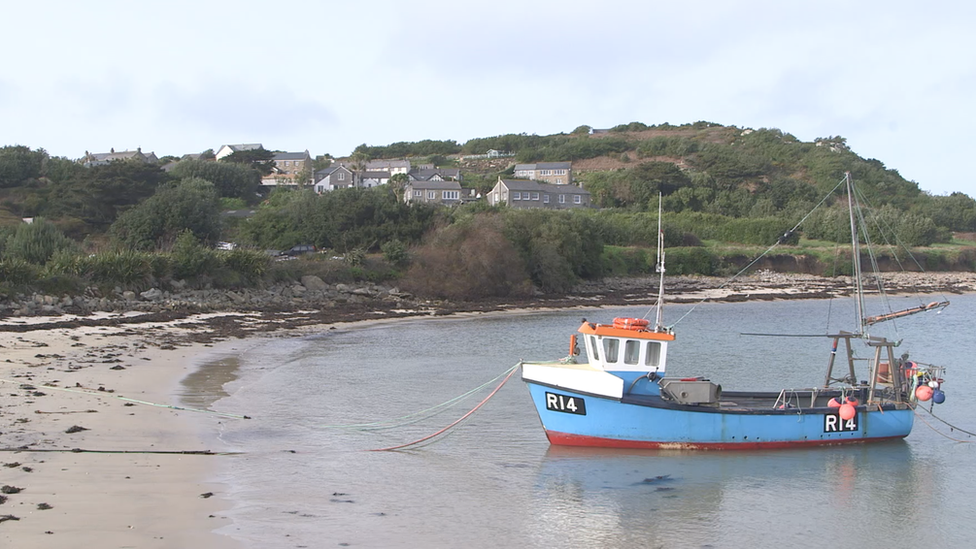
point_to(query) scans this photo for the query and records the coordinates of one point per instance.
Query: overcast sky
(896, 78)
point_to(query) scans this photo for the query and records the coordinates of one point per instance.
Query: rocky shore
(237, 313)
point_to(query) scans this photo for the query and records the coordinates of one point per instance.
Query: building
(448, 193)
(100, 159)
(522, 194)
(334, 177)
(392, 166)
(226, 150)
(557, 173)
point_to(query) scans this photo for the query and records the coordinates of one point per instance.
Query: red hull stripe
(566, 439)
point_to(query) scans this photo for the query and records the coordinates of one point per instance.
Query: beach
(98, 447)
(82, 467)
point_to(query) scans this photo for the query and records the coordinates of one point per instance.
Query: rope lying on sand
(26, 449)
(104, 394)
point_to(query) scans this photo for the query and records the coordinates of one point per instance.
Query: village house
(287, 166)
(447, 193)
(100, 159)
(522, 194)
(557, 173)
(334, 177)
(392, 166)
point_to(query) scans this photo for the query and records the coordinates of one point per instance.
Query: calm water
(494, 481)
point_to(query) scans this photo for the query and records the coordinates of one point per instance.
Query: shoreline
(124, 489)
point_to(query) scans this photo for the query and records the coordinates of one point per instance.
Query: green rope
(147, 403)
(421, 415)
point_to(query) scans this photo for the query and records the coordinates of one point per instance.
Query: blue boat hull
(581, 419)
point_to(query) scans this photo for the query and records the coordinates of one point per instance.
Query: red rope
(459, 420)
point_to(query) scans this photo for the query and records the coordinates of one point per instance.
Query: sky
(895, 78)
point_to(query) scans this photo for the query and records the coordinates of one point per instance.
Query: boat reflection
(615, 498)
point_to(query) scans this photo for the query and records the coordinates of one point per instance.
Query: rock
(152, 294)
(314, 283)
(343, 288)
(129, 295)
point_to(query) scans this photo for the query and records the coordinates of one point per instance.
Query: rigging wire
(756, 260)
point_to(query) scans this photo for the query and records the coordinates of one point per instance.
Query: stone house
(522, 194)
(557, 173)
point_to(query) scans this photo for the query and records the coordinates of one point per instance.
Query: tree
(192, 204)
(398, 184)
(260, 159)
(231, 180)
(19, 164)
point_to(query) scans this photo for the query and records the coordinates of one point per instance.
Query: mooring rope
(103, 394)
(419, 415)
(949, 425)
(456, 422)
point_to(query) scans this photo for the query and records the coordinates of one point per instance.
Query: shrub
(36, 242)
(18, 272)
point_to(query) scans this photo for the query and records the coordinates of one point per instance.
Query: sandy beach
(81, 466)
(98, 448)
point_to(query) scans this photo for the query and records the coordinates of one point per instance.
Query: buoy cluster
(925, 386)
(846, 404)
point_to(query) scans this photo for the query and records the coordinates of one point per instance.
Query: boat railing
(790, 398)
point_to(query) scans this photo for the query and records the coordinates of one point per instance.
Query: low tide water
(306, 476)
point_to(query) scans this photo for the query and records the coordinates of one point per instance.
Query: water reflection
(615, 498)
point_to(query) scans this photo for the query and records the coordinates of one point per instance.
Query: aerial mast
(659, 268)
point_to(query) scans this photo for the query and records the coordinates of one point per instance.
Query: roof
(243, 147)
(424, 175)
(545, 166)
(290, 156)
(436, 185)
(373, 164)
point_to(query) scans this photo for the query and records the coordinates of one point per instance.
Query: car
(301, 249)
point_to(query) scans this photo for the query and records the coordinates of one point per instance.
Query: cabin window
(632, 352)
(596, 348)
(611, 348)
(653, 357)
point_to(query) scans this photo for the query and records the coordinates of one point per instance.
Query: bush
(251, 265)
(395, 252)
(36, 242)
(471, 259)
(190, 259)
(18, 272)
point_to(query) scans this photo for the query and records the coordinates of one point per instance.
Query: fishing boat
(622, 397)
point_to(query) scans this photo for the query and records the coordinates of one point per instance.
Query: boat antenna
(855, 259)
(659, 268)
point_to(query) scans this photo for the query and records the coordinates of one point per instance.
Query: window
(596, 347)
(418, 193)
(610, 349)
(577, 199)
(287, 163)
(516, 196)
(653, 357)
(545, 199)
(632, 352)
(431, 195)
(451, 195)
(559, 181)
(562, 199)
(535, 196)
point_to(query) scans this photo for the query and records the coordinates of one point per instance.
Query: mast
(856, 259)
(659, 268)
